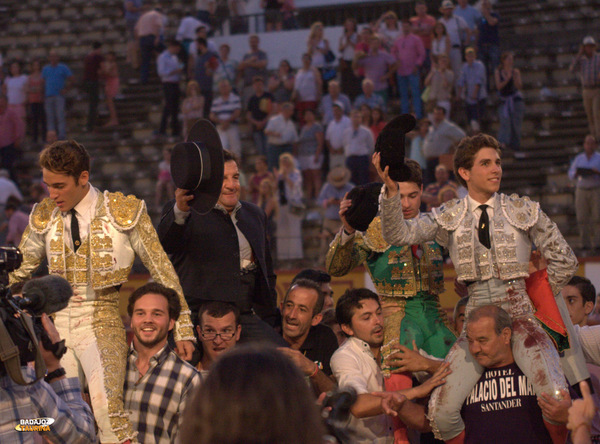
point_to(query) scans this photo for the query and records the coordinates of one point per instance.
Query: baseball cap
(589, 40)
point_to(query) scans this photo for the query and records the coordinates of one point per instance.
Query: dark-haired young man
(311, 344)
(157, 381)
(490, 236)
(91, 238)
(219, 330)
(224, 255)
(356, 364)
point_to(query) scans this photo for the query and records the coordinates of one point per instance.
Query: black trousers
(92, 89)
(171, 109)
(38, 121)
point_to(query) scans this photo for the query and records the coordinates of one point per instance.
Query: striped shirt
(61, 401)
(156, 401)
(225, 107)
(589, 70)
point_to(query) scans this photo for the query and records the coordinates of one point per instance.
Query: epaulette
(41, 215)
(123, 211)
(521, 212)
(450, 214)
(374, 236)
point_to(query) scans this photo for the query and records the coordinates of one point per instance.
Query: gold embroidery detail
(125, 210)
(374, 236)
(42, 214)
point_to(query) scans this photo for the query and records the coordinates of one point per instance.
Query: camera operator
(53, 408)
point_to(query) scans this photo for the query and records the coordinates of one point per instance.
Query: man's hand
(438, 378)
(391, 185)
(344, 205)
(553, 409)
(182, 199)
(52, 362)
(391, 402)
(185, 349)
(536, 262)
(305, 365)
(583, 410)
(407, 360)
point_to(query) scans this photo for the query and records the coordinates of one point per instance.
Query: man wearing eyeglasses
(219, 330)
(157, 381)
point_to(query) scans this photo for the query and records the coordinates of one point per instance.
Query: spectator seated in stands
(334, 95)
(431, 195)
(369, 97)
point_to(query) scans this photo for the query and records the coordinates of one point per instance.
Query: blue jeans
(260, 141)
(55, 115)
(411, 82)
(475, 111)
(511, 119)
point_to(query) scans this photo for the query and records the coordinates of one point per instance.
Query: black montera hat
(197, 165)
(391, 145)
(365, 204)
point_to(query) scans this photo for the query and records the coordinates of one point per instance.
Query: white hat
(589, 40)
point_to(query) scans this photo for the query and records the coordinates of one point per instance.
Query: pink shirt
(409, 52)
(12, 128)
(16, 226)
(376, 66)
(425, 24)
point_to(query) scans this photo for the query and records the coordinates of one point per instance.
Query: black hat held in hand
(391, 145)
(197, 166)
(365, 204)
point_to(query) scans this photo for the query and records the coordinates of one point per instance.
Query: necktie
(75, 230)
(483, 227)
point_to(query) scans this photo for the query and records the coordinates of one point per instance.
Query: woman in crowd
(348, 40)
(261, 173)
(307, 87)
(377, 122)
(110, 74)
(322, 56)
(227, 69)
(35, 99)
(253, 395)
(291, 207)
(439, 81)
(192, 107)
(309, 153)
(365, 115)
(512, 106)
(440, 44)
(267, 200)
(15, 89)
(281, 84)
(387, 27)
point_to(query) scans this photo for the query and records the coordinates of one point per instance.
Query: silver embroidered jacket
(516, 224)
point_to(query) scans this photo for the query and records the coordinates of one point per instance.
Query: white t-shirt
(335, 132)
(15, 89)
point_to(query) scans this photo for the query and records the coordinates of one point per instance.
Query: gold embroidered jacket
(120, 229)
(392, 269)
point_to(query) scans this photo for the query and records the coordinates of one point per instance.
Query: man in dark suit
(224, 255)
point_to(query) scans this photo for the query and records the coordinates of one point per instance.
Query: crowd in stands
(447, 71)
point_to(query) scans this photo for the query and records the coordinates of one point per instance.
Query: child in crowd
(192, 107)
(164, 182)
(110, 74)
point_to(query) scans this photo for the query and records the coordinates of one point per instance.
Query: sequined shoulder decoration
(41, 215)
(374, 237)
(450, 214)
(123, 211)
(521, 212)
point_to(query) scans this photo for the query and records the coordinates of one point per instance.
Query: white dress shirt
(354, 365)
(86, 211)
